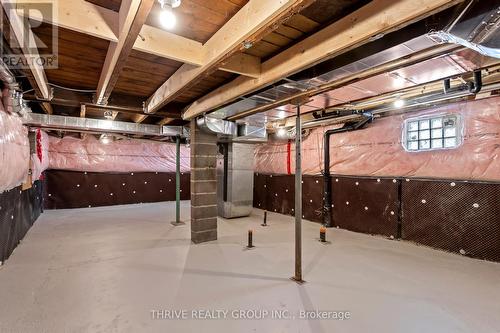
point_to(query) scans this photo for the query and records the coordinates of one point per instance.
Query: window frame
(434, 129)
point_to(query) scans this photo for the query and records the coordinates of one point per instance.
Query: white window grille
(432, 132)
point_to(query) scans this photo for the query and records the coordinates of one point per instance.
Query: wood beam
(171, 111)
(132, 16)
(168, 45)
(90, 19)
(249, 24)
(165, 121)
(243, 64)
(377, 17)
(138, 118)
(20, 30)
(80, 16)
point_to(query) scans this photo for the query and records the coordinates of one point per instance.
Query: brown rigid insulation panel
(367, 205)
(18, 211)
(460, 217)
(259, 190)
(276, 193)
(280, 194)
(312, 198)
(71, 189)
(456, 216)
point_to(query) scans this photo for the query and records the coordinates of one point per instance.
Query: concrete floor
(106, 269)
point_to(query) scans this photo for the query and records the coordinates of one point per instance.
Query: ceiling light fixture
(399, 103)
(104, 139)
(167, 17)
(281, 132)
(281, 114)
(247, 44)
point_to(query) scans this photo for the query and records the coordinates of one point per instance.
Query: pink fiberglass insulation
(40, 159)
(92, 155)
(377, 149)
(14, 151)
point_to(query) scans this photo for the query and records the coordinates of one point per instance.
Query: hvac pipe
(327, 192)
(415, 101)
(474, 87)
(7, 77)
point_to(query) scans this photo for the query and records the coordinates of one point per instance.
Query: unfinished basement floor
(106, 269)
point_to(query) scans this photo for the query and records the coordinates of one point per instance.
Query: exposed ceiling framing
(90, 19)
(377, 17)
(250, 24)
(206, 63)
(36, 73)
(132, 16)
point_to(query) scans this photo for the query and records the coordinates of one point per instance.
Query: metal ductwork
(282, 91)
(7, 77)
(446, 37)
(251, 134)
(475, 28)
(235, 174)
(14, 102)
(217, 126)
(100, 126)
(231, 131)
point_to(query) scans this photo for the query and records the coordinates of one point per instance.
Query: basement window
(431, 133)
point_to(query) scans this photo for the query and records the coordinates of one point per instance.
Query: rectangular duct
(235, 180)
(100, 125)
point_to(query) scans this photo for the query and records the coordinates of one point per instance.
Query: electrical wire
(71, 89)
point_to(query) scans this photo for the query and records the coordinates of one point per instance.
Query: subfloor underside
(115, 269)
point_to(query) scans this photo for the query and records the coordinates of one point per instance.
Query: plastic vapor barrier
(40, 159)
(14, 151)
(92, 155)
(378, 150)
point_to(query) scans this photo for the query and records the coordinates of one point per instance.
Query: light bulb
(399, 103)
(282, 132)
(105, 139)
(167, 19)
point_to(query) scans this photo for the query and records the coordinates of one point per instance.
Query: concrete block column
(203, 185)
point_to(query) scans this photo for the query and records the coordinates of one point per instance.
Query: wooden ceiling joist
(90, 19)
(80, 16)
(377, 17)
(243, 64)
(165, 44)
(132, 16)
(249, 24)
(27, 45)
